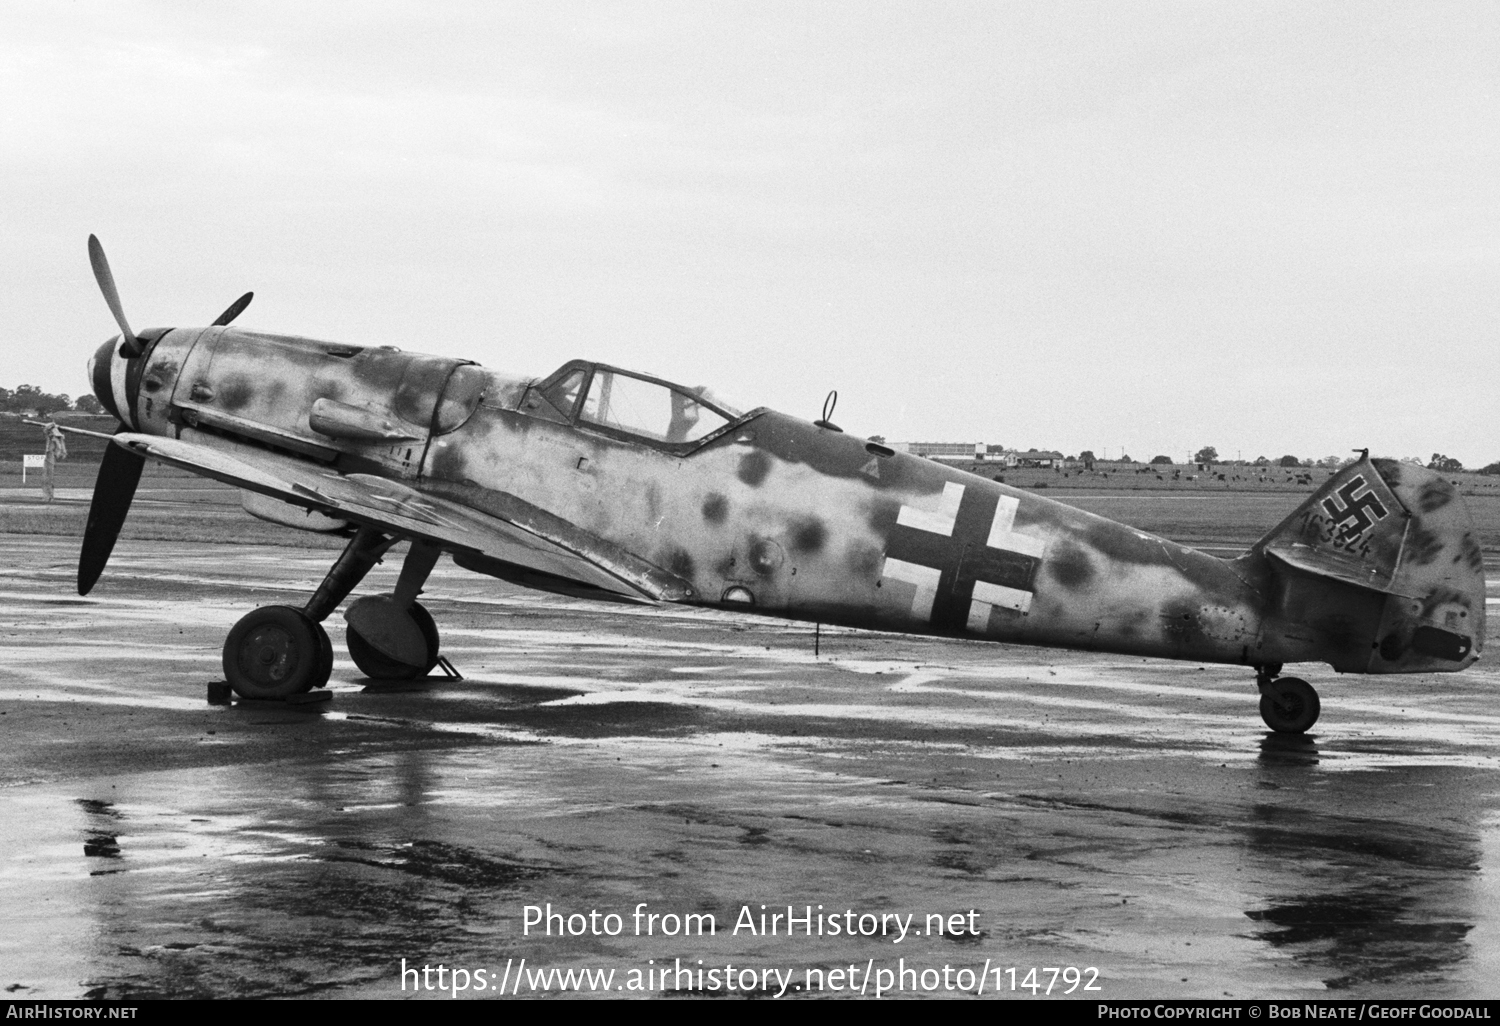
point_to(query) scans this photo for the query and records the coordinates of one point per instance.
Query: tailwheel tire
(379, 666)
(275, 652)
(1292, 707)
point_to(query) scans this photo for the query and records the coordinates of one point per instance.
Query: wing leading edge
(504, 529)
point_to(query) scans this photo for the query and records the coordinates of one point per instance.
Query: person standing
(57, 449)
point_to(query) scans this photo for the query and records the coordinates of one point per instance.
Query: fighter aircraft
(597, 481)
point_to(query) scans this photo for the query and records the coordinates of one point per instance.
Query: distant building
(945, 452)
(980, 452)
(1044, 458)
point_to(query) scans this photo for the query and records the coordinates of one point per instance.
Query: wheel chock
(308, 701)
(219, 692)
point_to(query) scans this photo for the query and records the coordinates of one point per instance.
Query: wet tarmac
(1071, 810)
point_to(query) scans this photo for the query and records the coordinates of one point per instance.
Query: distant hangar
(972, 452)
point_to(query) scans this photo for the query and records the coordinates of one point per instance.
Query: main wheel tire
(276, 651)
(1292, 708)
(325, 657)
(379, 666)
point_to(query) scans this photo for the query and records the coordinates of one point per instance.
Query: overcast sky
(1271, 228)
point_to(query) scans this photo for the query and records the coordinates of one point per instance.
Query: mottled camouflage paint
(808, 523)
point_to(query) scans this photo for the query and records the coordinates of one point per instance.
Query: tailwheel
(275, 652)
(1289, 705)
(382, 619)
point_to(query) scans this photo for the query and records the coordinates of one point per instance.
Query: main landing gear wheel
(379, 666)
(325, 656)
(1291, 706)
(277, 651)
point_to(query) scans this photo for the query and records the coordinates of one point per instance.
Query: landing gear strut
(1288, 705)
(278, 651)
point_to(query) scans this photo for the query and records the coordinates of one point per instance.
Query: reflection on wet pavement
(1093, 811)
(1370, 934)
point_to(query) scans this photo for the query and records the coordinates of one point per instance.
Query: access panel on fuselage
(263, 387)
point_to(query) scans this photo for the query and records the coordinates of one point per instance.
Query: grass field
(1252, 480)
(173, 504)
(18, 438)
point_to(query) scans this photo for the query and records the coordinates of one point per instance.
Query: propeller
(114, 488)
(130, 346)
(235, 309)
(120, 471)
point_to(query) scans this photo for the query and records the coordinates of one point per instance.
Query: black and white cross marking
(1360, 511)
(963, 556)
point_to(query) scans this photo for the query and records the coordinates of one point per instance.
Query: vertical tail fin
(1382, 564)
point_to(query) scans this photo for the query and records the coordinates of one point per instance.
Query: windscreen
(648, 409)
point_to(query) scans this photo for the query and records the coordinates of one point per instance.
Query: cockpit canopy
(624, 403)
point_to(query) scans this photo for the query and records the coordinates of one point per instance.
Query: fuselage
(759, 511)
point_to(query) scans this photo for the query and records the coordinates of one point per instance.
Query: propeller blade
(129, 344)
(235, 309)
(115, 487)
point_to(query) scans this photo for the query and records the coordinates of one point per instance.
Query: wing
(504, 532)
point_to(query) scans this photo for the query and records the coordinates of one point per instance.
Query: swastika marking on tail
(1357, 513)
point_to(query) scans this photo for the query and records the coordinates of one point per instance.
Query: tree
(1261, 461)
(1161, 461)
(1331, 462)
(1208, 454)
(1492, 469)
(30, 399)
(1289, 461)
(1446, 464)
(1087, 456)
